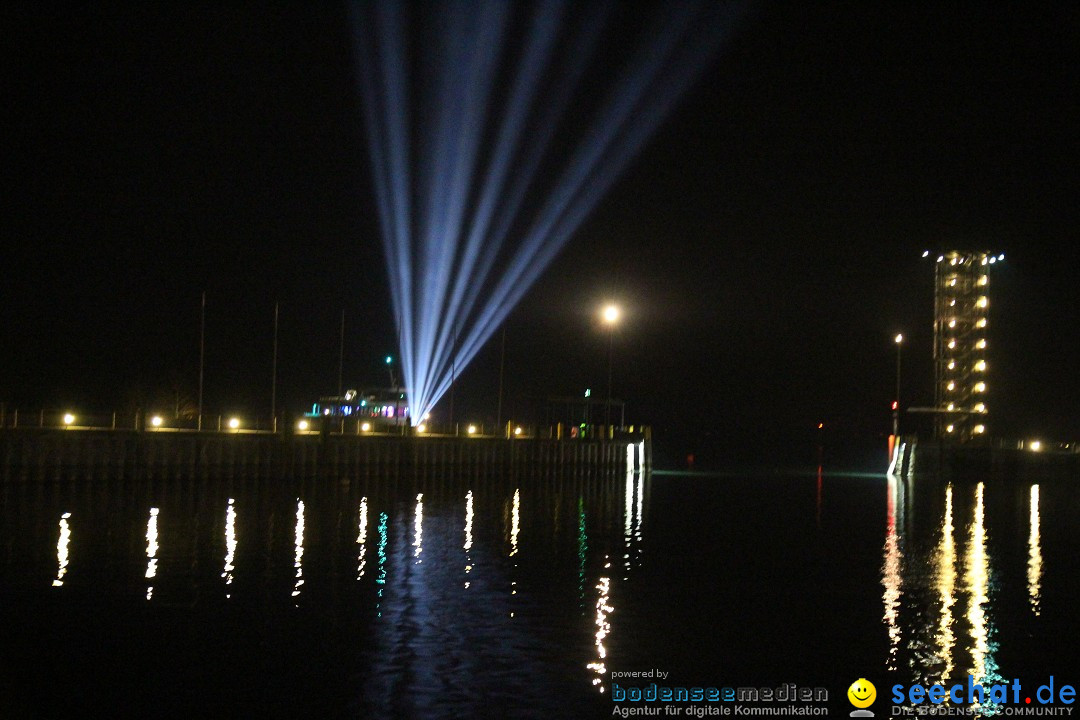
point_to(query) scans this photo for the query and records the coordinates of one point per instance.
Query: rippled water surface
(519, 596)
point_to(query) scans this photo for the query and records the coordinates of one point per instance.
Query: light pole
(610, 315)
(896, 403)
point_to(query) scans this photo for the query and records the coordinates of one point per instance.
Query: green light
(588, 392)
(389, 359)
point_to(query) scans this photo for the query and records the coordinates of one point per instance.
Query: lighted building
(961, 347)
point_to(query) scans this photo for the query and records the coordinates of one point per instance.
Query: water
(520, 597)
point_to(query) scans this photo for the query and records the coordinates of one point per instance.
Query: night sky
(765, 245)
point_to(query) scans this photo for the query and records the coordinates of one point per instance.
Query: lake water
(520, 597)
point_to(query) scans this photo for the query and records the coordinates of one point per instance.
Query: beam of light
(890, 575)
(946, 585)
(468, 535)
(151, 550)
(230, 544)
(1034, 568)
(62, 547)
(298, 549)
(361, 540)
(476, 135)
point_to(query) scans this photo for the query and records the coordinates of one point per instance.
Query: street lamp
(610, 315)
(896, 405)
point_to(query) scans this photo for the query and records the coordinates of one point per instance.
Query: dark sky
(766, 243)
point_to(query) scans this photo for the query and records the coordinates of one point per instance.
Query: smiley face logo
(862, 693)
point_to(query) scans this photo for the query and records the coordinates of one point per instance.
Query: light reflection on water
(62, 546)
(589, 575)
(1034, 571)
(151, 550)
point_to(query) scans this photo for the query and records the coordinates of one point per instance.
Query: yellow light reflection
(418, 528)
(361, 540)
(1034, 570)
(946, 586)
(977, 583)
(603, 627)
(62, 550)
(468, 534)
(151, 550)
(298, 557)
(890, 577)
(230, 544)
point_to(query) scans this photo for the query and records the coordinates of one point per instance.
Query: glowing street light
(302, 425)
(234, 423)
(366, 427)
(69, 418)
(156, 421)
(472, 429)
(896, 405)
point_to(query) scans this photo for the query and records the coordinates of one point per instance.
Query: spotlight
(234, 423)
(156, 421)
(421, 428)
(1035, 445)
(302, 425)
(366, 427)
(472, 429)
(69, 418)
(517, 431)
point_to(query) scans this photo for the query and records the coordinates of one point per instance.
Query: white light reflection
(151, 550)
(468, 534)
(361, 540)
(515, 523)
(418, 528)
(1034, 570)
(62, 550)
(380, 579)
(890, 577)
(515, 527)
(946, 585)
(298, 558)
(603, 627)
(628, 511)
(230, 544)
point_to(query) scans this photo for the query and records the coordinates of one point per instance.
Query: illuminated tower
(961, 310)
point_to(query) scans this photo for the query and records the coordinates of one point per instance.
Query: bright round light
(68, 418)
(366, 427)
(517, 431)
(302, 425)
(899, 338)
(472, 429)
(156, 421)
(949, 428)
(234, 423)
(611, 314)
(980, 429)
(1035, 445)
(421, 428)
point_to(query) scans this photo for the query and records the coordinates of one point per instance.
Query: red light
(894, 404)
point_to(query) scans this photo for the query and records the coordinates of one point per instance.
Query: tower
(961, 322)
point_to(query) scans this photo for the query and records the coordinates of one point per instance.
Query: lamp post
(610, 315)
(896, 403)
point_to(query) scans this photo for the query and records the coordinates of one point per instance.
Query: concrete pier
(103, 454)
